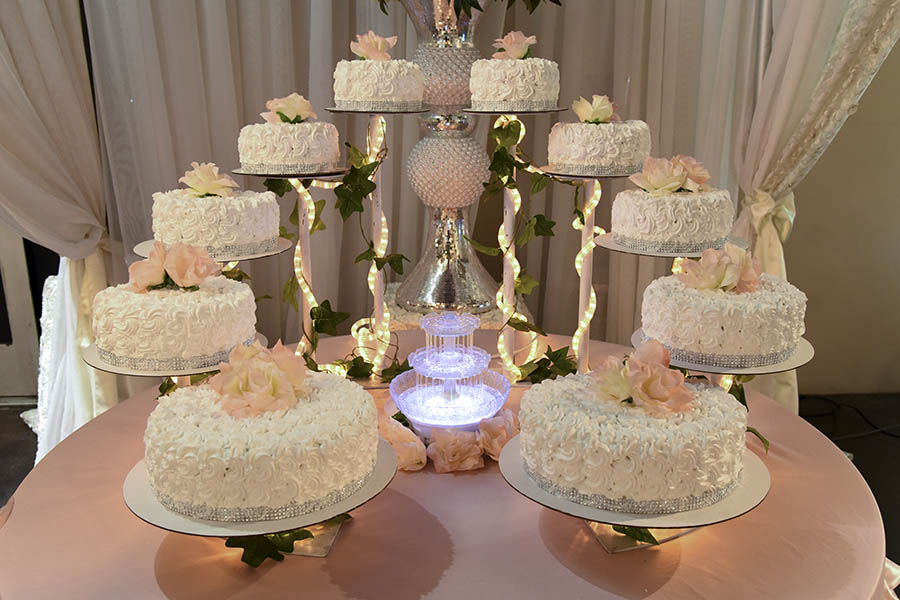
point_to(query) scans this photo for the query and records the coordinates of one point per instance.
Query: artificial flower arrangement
(204, 180)
(730, 269)
(599, 110)
(514, 45)
(290, 109)
(180, 267)
(661, 176)
(372, 46)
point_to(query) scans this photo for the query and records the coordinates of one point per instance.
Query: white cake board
(141, 501)
(548, 171)
(338, 172)
(143, 250)
(802, 355)
(92, 357)
(606, 241)
(336, 110)
(548, 111)
(752, 490)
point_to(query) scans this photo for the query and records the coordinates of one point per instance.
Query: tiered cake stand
(608, 241)
(281, 244)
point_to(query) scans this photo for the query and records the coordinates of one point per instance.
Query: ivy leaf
(543, 226)
(503, 164)
(401, 418)
(326, 320)
(167, 386)
(523, 325)
(359, 368)
(289, 292)
(395, 261)
(479, 247)
(256, 549)
(294, 218)
(525, 283)
(368, 254)
(641, 534)
(538, 182)
(737, 390)
(527, 369)
(355, 156)
(337, 519)
(279, 186)
(349, 200)
(553, 364)
(506, 136)
(263, 297)
(761, 437)
(318, 224)
(527, 233)
(236, 274)
(283, 232)
(311, 363)
(200, 377)
(355, 186)
(492, 189)
(388, 374)
(580, 214)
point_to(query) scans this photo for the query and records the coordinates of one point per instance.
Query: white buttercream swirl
(533, 80)
(684, 217)
(606, 145)
(291, 144)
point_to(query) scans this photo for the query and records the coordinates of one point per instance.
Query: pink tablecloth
(817, 535)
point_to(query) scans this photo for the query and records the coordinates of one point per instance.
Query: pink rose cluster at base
(187, 266)
(661, 176)
(731, 269)
(644, 379)
(256, 380)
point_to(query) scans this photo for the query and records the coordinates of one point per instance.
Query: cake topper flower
(731, 269)
(514, 45)
(599, 110)
(644, 379)
(180, 267)
(659, 177)
(408, 446)
(256, 380)
(290, 109)
(696, 173)
(204, 179)
(372, 46)
(455, 450)
(493, 433)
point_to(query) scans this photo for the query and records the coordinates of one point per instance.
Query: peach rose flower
(295, 108)
(610, 379)
(493, 433)
(205, 180)
(656, 387)
(513, 45)
(189, 265)
(148, 272)
(409, 448)
(747, 267)
(652, 352)
(372, 46)
(730, 269)
(659, 177)
(599, 110)
(455, 450)
(292, 365)
(697, 175)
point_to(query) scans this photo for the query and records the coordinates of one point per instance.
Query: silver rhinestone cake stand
(748, 494)
(230, 254)
(141, 501)
(609, 241)
(801, 355)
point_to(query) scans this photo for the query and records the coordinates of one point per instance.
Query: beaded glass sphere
(442, 153)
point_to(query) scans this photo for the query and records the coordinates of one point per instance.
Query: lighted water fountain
(450, 384)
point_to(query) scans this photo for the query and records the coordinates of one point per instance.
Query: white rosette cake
(264, 440)
(288, 143)
(209, 214)
(598, 145)
(512, 81)
(175, 313)
(675, 211)
(721, 311)
(633, 437)
(377, 83)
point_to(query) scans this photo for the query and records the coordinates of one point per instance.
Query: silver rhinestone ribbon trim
(637, 507)
(667, 246)
(242, 249)
(596, 170)
(261, 513)
(289, 169)
(727, 361)
(167, 364)
(375, 106)
(504, 106)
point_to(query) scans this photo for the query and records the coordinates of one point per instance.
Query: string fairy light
(302, 269)
(588, 304)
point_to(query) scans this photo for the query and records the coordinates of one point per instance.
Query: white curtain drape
(51, 190)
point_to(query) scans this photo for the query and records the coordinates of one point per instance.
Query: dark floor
(842, 418)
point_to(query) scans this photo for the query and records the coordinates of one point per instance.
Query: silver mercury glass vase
(446, 167)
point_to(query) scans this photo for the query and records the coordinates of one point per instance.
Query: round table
(817, 535)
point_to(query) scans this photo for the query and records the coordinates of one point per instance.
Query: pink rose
(409, 448)
(148, 272)
(746, 268)
(513, 45)
(728, 269)
(205, 180)
(610, 381)
(697, 175)
(657, 388)
(659, 177)
(189, 265)
(454, 450)
(291, 364)
(295, 108)
(652, 352)
(373, 47)
(493, 433)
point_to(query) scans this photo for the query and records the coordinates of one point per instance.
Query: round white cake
(168, 329)
(715, 327)
(207, 464)
(677, 222)
(375, 85)
(527, 84)
(598, 149)
(289, 148)
(243, 223)
(598, 451)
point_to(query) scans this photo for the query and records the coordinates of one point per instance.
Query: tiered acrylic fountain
(450, 384)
